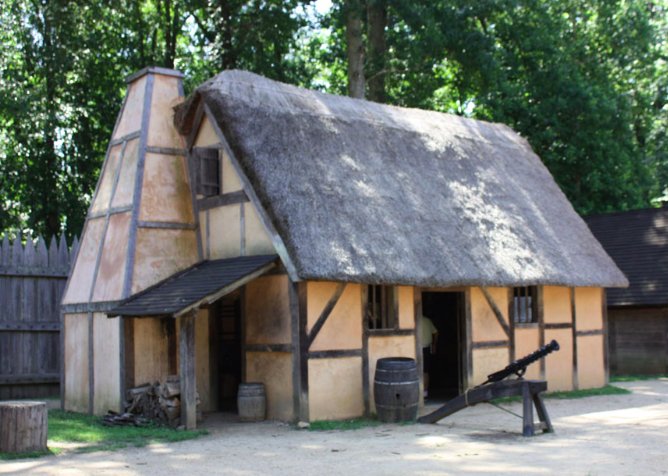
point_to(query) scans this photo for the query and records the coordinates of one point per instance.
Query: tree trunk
(377, 21)
(356, 81)
(23, 427)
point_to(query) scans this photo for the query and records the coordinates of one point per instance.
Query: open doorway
(226, 351)
(446, 311)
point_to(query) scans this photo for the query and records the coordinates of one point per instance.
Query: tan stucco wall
(130, 120)
(111, 273)
(589, 308)
(78, 288)
(150, 351)
(406, 307)
(343, 328)
(206, 135)
(107, 180)
(335, 388)
(106, 362)
(527, 340)
(267, 311)
(231, 182)
(161, 253)
(225, 231)
(257, 238)
(590, 362)
(484, 326)
(487, 361)
(162, 132)
(556, 305)
(274, 369)
(559, 365)
(387, 346)
(76, 362)
(166, 195)
(124, 194)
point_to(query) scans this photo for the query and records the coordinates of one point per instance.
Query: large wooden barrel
(23, 426)
(396, 389)
(252, 401)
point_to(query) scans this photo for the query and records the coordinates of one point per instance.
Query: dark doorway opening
(226, 350)
(446, 311)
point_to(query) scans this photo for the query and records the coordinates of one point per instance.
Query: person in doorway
(429, 338)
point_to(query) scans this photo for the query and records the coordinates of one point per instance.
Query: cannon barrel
(519, 366)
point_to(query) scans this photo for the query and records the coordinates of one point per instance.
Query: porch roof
(198, 285)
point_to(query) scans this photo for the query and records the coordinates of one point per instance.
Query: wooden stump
(23, 426)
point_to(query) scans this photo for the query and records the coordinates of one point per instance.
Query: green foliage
(352, 424)
(585, 81)
(78, 428)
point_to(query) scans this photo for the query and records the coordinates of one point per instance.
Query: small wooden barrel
(252, 401)
(23, 426)
(396, 389)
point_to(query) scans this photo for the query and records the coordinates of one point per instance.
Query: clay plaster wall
(130, 120)
(335, 388)
(166, 193)
(527, 340)
(343, 328)
(106, 362)
(76, 362)
(150, 350)
(559, 365)
(111, 271)
(406, 299)
(484, 325)
(487, 361)
(274, 369)
(267, 311)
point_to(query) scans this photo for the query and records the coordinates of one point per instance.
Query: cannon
(497, 386)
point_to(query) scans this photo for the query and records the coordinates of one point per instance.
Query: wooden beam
(511, 325)
(606, 349)
(366, 390)
(335, 354)
(187, 370)
(574, 337)
(298, 318)
(91, 364)
(468, 340)
(492, 344)
(215, 201)
(540, 306)
(497, 312)
(329, 307)
(417, 326)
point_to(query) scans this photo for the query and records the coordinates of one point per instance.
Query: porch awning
(199, 285)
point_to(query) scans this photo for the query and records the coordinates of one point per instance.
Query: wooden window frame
(381, 313)
(525, 305)
(208, 171)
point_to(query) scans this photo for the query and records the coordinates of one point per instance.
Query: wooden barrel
(252, 401)
(23, 426)
(396, 389)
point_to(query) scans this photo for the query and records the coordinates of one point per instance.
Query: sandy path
(626, 434)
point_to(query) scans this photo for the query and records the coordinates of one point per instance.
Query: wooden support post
(187, 370)
(527, 411)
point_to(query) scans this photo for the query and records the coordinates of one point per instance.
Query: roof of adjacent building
(198, 285)
(638, 242)
(364, 192)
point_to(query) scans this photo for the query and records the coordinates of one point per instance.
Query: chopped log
(23, 426)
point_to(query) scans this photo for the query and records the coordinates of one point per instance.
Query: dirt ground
(613, 435)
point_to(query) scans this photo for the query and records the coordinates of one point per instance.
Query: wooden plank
(303, 353)
(417, 325)
(495, 309)
(242, 229)
(540, 306)
(20, 326)
(558, 325)
(468, 340)
(592, 332)
(574, 335)
(166, 151)
(334, 354)
(327, 310)
(163, 225)
(490, 344)
(232, 198)
(91, 364)
(511, 325)
(37, 378)
(391, 332)
(366, 385)
(101, 306)
(606, 349)
(187, 370)
(139, 185)
(269, 347)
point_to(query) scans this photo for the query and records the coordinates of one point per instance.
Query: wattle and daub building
(259, 232)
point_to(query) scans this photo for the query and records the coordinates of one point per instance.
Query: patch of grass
(78, 428)
(68, 427)
(634, 377)
(353, 424)
(589, 392)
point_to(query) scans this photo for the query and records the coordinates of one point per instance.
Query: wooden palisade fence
(32, 281)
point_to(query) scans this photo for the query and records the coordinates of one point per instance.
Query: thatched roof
(364, 192)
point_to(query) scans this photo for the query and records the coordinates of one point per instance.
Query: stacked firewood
(160, 403)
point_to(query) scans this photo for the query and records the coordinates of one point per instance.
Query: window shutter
(207, 167)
